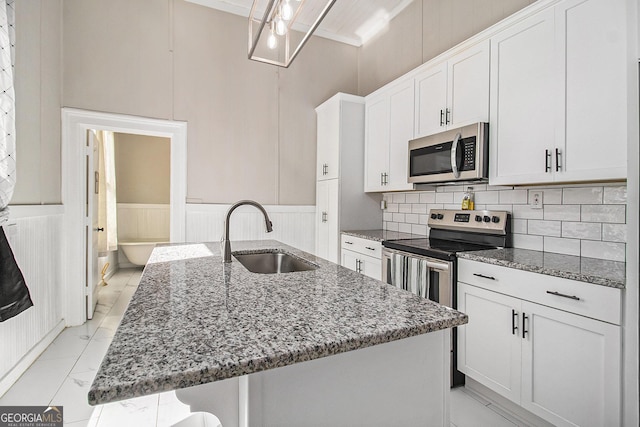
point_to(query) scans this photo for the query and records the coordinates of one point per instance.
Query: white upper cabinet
(328, 122)
(431, 100)
(376, 142)
(592, 48)
(388, 129)
(340, 202)
(558, 82)
(400, 132)
(454, 93)
(522, 127)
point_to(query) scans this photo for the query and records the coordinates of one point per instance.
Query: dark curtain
(14, 294)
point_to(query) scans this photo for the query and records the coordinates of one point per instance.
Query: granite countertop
(194, 319)
(381, 235)
(590, 270)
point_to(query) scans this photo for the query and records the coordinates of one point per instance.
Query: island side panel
(401, 383)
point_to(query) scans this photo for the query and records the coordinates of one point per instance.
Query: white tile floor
(63, 373)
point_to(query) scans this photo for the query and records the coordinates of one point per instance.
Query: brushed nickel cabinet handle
(558, 294)
(484, 277)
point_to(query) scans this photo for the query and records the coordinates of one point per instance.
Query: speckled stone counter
(194, 320)
(380, 235)
(590, 270)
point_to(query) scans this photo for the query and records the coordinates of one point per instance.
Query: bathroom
(141, 168)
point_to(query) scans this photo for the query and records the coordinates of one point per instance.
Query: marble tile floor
(63, 373)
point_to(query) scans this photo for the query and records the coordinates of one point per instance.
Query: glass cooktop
(436, 248)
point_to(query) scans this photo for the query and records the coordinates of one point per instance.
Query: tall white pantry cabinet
(340, 202)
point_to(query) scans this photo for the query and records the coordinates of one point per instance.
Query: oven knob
(440, 216)
(434, 216)
(487, 218)
(495, 219)
(478, 218)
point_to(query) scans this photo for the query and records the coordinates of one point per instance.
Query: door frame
(75, 124)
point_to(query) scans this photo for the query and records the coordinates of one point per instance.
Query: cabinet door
(349, 259)
(570, 368)
(333, 220)
(591, 37)
(401, 107)
(328, 139)
(431, 100)
(489, 349)
(371, 267)
(327, 220)
(468, 86)
(523, 101)
(322, 225)
(376, 142)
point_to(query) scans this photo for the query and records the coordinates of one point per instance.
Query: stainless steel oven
(428, 277)
(427, 266)
(455, 155)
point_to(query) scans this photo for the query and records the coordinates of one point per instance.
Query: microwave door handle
(454, 155)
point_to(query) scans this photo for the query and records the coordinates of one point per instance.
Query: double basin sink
(273, 261)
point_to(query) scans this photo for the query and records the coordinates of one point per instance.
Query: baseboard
(21, 367)
(122, 265)
(523, 417)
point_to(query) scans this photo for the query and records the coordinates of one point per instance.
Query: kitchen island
(322, 347)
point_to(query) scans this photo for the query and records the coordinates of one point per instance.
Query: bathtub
(138, 252)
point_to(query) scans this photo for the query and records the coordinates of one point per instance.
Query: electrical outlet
(535, 200)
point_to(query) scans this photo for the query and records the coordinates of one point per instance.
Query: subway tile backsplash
(587, 220)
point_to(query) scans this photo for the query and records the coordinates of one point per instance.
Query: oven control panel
(481, 221)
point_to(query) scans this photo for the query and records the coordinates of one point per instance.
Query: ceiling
(351, 21)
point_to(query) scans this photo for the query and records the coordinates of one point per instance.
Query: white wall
(422, 31)
(142, 168)
(251, 126)
(35, 235)
(38, 86)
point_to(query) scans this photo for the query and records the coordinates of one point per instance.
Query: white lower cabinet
(570, 368)
(362, 256)
(488, 350)
(561, 366)
(364, 264)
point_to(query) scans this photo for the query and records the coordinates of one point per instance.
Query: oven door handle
(438, 265)
(454, 155)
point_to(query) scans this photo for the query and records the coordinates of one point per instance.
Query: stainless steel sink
(273, 261)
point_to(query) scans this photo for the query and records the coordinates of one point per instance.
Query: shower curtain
(7, 108)
(107, 205)
(14, 294)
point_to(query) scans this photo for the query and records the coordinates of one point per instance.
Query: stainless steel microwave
(454, 155)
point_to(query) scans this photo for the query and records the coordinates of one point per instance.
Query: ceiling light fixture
(278, 19)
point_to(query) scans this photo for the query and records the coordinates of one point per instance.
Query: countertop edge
(102, 395)
(601, 281)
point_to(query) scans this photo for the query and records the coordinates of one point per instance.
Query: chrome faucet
(226, 242)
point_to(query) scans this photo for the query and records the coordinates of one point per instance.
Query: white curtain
(7, 107)
(107, 208)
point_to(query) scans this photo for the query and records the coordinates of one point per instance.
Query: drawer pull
(484, 277)
(558, 294)
(348, 243)
(371, 249)
(514, 322)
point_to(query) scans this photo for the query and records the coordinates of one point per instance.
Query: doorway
(75, 125)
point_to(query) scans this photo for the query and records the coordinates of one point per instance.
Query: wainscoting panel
(292, 225)
(143, 222)
(35, 236)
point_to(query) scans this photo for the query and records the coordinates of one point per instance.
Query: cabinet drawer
(363, 246)
(586, 299)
